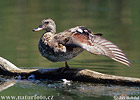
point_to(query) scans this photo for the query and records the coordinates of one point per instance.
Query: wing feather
(97, 45)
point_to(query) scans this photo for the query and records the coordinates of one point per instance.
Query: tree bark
(81, 75)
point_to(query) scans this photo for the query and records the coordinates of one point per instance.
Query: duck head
(46, 24)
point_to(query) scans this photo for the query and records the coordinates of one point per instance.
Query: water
(67, 91)
(118, 19)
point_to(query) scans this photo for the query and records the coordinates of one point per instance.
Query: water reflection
(63, 91)
(6, 84)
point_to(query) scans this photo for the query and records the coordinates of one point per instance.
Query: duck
(68, 44)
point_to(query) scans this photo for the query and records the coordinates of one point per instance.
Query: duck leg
(63, 69)
(66, 65)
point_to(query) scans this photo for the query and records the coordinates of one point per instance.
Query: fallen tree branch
(81, 75)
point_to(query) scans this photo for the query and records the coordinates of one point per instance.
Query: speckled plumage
(68, 44)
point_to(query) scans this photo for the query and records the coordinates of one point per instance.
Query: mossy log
(80, 75)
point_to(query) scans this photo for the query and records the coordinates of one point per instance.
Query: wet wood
(81, 75)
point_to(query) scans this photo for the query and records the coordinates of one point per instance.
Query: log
(8, 69)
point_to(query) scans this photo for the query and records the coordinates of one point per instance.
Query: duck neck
(53, 32)
(51, 29)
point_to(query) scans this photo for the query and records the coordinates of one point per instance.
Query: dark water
(119, 20)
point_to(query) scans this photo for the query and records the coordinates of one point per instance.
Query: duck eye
(46, 22)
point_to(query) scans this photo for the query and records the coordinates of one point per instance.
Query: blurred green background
(118, 20)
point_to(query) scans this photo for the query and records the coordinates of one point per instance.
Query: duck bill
(38, 29)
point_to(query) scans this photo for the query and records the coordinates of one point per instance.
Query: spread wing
(95, 44)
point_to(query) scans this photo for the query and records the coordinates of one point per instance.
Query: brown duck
(68, 44)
